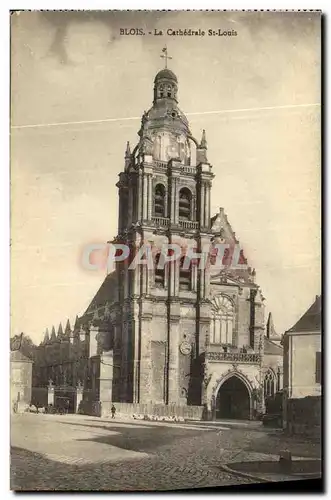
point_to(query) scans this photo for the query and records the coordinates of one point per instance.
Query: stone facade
(302, 368)
(176, 339)
(20, 380)
(174, 336)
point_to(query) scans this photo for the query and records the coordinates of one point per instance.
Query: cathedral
(177, 335)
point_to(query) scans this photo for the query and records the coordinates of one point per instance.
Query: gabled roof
(18, 356)
(221, 226)
(272, 348)
(311, 320)
(271, 331)
(224, 234)
(106, 293)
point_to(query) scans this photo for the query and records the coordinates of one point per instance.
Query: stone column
(79, 396)
(202, 204)
(140, 195)
(173, 200)
(150, 196)
(173, 353)
(50, 393)
(124, 361)
(133, 333)
(145, 358)
(166, 211)
(93, 341)
(106, 379)
(145, 196)
(174, 176)
(207, 204)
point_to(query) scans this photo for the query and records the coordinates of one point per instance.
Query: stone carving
(185, 348)
(146, 145)
(231, 357)
(207, 379)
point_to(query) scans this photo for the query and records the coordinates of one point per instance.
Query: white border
(7, 5)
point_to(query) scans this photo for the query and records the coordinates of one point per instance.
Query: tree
(24, 344)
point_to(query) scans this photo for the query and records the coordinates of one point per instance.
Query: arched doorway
(233, 400)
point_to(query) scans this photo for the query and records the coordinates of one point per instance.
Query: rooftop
(166, 73)
(311, 320)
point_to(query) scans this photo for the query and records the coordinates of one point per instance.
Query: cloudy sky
(76, 67)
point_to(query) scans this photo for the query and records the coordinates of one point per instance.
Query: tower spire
(203, 143)
(60, 331)
(46, 336)
(165, 56)
(67, 331)
(128, 150)
(53, 334)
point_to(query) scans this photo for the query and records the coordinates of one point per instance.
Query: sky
(256, 94)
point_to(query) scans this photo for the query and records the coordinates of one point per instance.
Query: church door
(233, 400)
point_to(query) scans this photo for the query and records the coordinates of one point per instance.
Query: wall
(187, 412)
(300, 365)
(21, 382)
(39, 396)
(304, 416)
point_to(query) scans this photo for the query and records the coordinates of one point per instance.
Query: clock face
(185, 348)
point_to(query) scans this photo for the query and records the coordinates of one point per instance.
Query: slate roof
(18, 356)
(271, 331)
(166, 73)
(272, 348)
(106, 293)
(311, 320)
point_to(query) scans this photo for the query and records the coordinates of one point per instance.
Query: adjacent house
(20, 380)
(302, 372)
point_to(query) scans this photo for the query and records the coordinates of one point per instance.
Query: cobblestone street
(84, 453)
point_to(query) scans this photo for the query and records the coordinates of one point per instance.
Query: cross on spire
(165, 56)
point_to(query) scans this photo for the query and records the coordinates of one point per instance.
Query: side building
(20, 380)
(303, 373)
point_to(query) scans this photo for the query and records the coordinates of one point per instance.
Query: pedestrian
(113, 411)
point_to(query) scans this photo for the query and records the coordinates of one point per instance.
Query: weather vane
(165, 56)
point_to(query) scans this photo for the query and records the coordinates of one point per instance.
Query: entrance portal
(233, 400)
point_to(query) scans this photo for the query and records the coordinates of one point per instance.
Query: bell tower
(164, 199)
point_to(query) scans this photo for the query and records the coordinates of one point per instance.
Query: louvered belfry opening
(184, 274)
(159, 201)
(185, 201)
(159, 273)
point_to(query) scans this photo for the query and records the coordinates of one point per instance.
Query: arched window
(159, 272)
(222, 320)
(169, 91)
(269, 384)
(185, 272)
(159, 201)
(185, 204)
(161, 91)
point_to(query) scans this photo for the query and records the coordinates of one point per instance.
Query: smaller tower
(127, 156)
(67, 331)
(202, 149)
(60, 332)
(53, 335)
(46, 337)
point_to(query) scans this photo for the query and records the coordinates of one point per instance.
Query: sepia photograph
(165, 259)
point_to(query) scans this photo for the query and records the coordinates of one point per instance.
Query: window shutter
(318, 377)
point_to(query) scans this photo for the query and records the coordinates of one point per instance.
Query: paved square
(69, 452)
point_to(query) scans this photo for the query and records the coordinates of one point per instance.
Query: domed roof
(166, 73)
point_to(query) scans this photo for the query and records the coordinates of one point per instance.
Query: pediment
(227, 279)
(222, 229)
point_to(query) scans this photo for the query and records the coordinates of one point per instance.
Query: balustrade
(234, 357)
